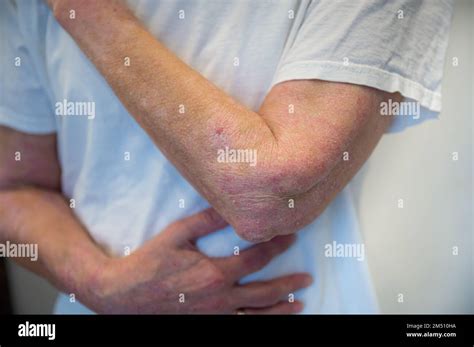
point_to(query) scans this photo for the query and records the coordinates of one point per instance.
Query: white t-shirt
(244, 47)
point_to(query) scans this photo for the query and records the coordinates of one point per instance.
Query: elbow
(271, 201)
(282, 216)
(266, 226)
(261, 222)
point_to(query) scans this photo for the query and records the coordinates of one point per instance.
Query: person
(131, 117)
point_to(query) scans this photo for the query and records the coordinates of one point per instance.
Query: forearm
(154, 87)
(67, 256)
(296, 153)
(157, 85)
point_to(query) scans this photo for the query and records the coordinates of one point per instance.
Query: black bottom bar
(450, 330)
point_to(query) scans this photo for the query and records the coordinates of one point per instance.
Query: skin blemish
(219, 131)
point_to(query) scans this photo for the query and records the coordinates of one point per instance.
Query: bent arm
(299, 155)
(33, 211)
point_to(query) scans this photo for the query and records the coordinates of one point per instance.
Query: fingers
(197, 225)
(254, 258)
(283, 307)
(263, 294)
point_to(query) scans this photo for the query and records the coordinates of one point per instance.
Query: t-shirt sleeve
(24, 102)
(394, 46)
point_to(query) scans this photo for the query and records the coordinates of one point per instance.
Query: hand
(170, 275)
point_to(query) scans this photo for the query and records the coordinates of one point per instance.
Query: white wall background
(409, 250)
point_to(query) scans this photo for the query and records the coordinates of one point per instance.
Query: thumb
(199, 224)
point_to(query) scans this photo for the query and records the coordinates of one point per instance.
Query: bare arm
(33, 211)
(299, 155)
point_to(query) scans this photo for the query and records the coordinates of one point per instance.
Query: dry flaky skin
(151, 279)
(174, 276)
(299, 157)
(299, 154)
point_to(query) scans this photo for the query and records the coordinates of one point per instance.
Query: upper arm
(315, 122)
(28, 160)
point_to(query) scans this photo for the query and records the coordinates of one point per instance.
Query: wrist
(82, 274)
(103, 283)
